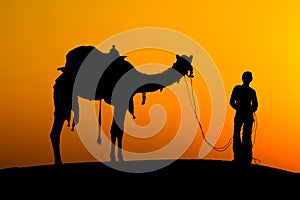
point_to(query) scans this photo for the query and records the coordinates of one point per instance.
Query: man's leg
(237, 151)
(247, 141)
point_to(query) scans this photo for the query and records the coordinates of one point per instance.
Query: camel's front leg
(55, 139)
(116, 132)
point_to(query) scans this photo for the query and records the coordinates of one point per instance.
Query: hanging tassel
(99, 121)
(143, 98)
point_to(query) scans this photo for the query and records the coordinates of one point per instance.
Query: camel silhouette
(94, 75)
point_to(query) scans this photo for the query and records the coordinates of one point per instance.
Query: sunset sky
(260, 36)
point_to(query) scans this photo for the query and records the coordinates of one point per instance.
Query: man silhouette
(244, 100)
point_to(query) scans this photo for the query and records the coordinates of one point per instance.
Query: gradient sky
(260, 36)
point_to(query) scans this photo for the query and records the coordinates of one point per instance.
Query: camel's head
(184, 65)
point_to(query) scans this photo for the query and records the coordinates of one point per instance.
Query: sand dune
(191, 178)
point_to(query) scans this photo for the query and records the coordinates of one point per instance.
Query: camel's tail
(73, 123)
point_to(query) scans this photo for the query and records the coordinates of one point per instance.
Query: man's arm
(254, 102)
(232, 101)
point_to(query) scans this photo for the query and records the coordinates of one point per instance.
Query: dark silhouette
(244, 100)
(62, 94)
(106, 71)
(211, 177)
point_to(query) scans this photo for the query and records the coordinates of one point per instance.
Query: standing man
(244, 101)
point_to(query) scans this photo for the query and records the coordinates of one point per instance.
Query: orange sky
(261, 36)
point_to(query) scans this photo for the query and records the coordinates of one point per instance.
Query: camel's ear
(188, 58)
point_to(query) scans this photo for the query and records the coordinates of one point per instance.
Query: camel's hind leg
(55, 139)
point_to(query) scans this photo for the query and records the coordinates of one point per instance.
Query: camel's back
(85, 64)
(111, 76)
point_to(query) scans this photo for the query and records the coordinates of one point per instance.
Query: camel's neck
(159, 81)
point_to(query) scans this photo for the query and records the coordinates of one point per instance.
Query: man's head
(247, 77)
